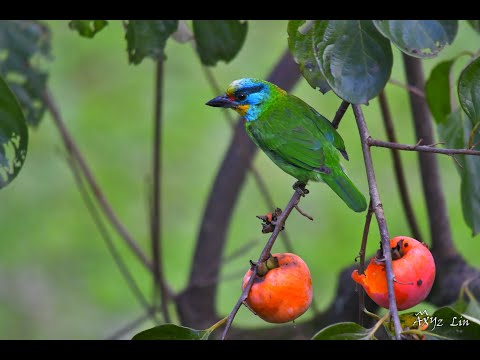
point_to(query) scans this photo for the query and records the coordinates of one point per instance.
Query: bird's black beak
(221, 101)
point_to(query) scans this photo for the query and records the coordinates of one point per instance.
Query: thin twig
(156, 218)
(410, 88)
(303, 213)
(74, 151)
(339, 114)
(264, 255)
(398, 168)
(421, 148)
(361, 266)
(131, 325)
(262, 186)
(234, 255)
(94, 213)
(378, 209)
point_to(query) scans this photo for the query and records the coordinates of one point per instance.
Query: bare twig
(440, 232)
(74, 151)
(422, 148)
(129, 279)
(303, 213)
(156, 218)
(339, 114)
(378, 209)
(361, 255)
(131, 325)
(264, 255)
(413, 89)
(398, 167)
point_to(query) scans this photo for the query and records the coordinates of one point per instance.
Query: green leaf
(419, 38)
(300, 45)
(344, 331)
(24, 54)
(469, 90)
(437, 91)
(148, 38)
(171, 332)
(87, 28)
(456, 132)
(448, 323)
(475, 24)
(219, 39)
(13, 135)
(354, 57)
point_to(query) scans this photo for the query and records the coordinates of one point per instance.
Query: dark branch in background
(131, 283)
(262, 186)
(398, 167)
(410, 88)
(361, 267)
(131, 326)
(339, 114)
(378, 209)
(74, 152)
(441, 235)
(196, 305)
(264, 254)
(422, 148)
(156, 218)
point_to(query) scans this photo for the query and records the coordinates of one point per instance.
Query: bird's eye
(241, 97)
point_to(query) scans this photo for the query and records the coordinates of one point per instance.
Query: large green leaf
(450, 324)
(13, 136)
(353, 56)
(148, 38)
(24, 53)
(457, 133)
(475, 24)
(344, 331)
(469, 90)
(419, 38)
(300, 45)
(87, 28)
(219, 39)
(437, 91)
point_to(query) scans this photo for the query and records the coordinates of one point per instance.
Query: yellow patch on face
(242, 109)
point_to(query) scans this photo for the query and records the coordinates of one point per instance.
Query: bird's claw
(299, 187)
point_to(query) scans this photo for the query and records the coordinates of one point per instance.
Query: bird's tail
(344, 187)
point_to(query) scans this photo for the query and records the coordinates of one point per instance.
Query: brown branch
(378, 209)
(261, 184)
(196, 305)
(156, 218)
(398, 167)
(94, 213)
(412, 89)
(339, 114)
(422, 148)
(265, 253)
(74, 151)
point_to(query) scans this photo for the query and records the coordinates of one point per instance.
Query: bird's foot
(299, 187)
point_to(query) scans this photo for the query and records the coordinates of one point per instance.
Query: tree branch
(412, 89)
(156, 218)
(74, 151)
(441, 235)
(339, 114)
(264, 254)
(378, 209)
(196, 305)
(398, 167)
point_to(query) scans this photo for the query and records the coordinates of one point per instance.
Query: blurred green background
(57, 278)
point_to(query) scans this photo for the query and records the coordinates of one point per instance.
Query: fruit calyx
(265, 266)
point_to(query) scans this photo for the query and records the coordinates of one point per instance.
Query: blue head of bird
(248, 96)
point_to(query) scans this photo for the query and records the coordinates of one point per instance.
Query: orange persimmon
(284, 292)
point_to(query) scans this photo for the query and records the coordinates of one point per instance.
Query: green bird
(293, 134)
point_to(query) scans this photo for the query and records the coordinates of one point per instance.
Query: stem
(131, 283)
(421, 148)
(264, 254)
(339, 114)
(378, 324)
(398, 167)
(378, 209)
(410, 88)
(361, 267)
(156, 218)
(440, 232)
(74, 151)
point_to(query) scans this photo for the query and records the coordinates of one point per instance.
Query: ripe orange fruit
(414, 270)
(283, 293)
